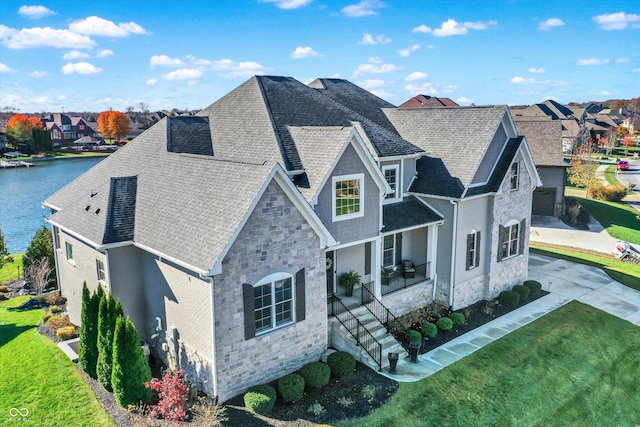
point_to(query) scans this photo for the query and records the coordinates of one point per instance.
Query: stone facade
(276, 238)
(409, 299)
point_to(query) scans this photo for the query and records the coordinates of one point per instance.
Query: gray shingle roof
(501, 169)
(410, 212)
(183, 205)
(545, 141)
(189, 134)
(458, 136)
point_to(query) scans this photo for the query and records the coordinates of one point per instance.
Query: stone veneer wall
(409, 299)
(276, 238)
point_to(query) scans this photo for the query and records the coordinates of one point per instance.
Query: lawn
(574, 366)
(10, 270)
(37, 376)
(619, 219)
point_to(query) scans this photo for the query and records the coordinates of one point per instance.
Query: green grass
(575, 366)
(619, 219)
(610, 175)
(625, 273)
(38, 376)
(9, 271)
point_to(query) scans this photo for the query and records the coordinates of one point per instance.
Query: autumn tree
(19, 128)
(113, 124)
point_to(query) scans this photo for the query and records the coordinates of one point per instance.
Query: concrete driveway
(548, 229)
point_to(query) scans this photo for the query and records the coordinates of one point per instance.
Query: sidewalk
(564, 280)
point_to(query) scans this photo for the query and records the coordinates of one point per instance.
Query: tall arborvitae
(87, 345)
(108, 313)
(130, 367)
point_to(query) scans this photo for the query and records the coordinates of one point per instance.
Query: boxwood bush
(445, 323)
(260, 399)
(341, 363)
(458, 318)
(316, 374)
(291, 387)
(414, 336)
(534, 286)
(509, 298)
(429, 329)
(523, 291)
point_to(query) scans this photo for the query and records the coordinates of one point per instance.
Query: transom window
(511, 240)
(388, 251)
(347, 196)
(515, 170)
(273, 302)
(391, 175)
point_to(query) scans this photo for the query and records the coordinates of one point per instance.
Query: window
(473, 249)
(514, 175)
(100, 270)
(69, 249)
(391, 174)
(347, 196)
(388, 256)
(56, 238)
(510, 240)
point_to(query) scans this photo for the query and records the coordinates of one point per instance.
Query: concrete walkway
(549, 229)
(566, 281)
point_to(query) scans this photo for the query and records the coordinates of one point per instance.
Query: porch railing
(382, 313)
(363, 337)
(395, 280)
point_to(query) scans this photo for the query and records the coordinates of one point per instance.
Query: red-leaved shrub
(173, 392)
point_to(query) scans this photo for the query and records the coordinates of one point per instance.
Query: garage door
(544, 201)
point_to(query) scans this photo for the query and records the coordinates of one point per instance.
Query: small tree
(41, 246)
(88, 350)
(38, 273)
(4, 253)
(130, 368)
(108, 312)
(113, 124)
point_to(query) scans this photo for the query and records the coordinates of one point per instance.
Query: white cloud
(376, 66)
(164, 60)
(409, 50)
(617, 21)
(364, 8)
(449, 88)
(464, 100)
(184, 74)
(151, 82)
(521, 80)
(537, 70)
(372, 83)
(80, 68)
(35, 12)
(104, 53)
(550, 23)
(453, 28)
(75, 54)
(38, 74)
(368, 39)
(230, 69)
(28, 38)
(636, 70)
(416, 75)
(424, 89)
(623, 60)
(592, 61)
(288, 4)
(422, 29)
(96, 26)
(304, 52)
(533, 86)
(6, 69)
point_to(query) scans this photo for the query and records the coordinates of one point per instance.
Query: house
(66, 129)
(225, 234)
(428, 101)
(545, 142)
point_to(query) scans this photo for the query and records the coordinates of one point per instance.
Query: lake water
(22, 191)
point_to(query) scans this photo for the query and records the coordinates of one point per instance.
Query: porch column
(376, 269)
(432, 251)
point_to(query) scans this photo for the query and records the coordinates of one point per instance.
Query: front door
(330, 272)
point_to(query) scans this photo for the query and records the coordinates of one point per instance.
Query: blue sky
(95, 55)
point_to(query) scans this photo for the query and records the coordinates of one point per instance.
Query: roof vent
(92, 193)
(87, 208)
(97, 211)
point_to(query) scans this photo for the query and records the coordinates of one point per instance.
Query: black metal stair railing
(382, 313)
(363, 337)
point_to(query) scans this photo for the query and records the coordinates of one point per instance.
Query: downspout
(453, 250)
(214, 376)
(434, 260)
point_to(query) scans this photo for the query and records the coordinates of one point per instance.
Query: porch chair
(409, 269)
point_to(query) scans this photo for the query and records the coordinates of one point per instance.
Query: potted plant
(348, 281)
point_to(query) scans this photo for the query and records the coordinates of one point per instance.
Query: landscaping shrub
(534, 286)
(54, 309)
(445, 323)
(523, 291)
(341, 363)
(457, 318)
(610, 193)
(414, 336)
(509, 298)
(66, 333)
(316, 374)
(56, 322)
(4, 288)
(45, 317)
(173, 392)
(3, 296)
(260, 399)
(130, 368)
(88, 345)
(429, 330)
(109, 311)
(291, 387)
(54, 298)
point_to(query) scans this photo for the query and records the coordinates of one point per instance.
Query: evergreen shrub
(445, 323)
(341, 363)
(130, 368)
(260, 399)
(429, 329)
(291, 387)
(523, 291)
(534, 286)
(316, 374)
(509, 298)
(414, 336)
(457, 318)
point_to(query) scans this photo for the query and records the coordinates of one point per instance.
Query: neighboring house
(545, 142)
(428, 101)
(225, 234)
(66, 129)
(3, 141)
